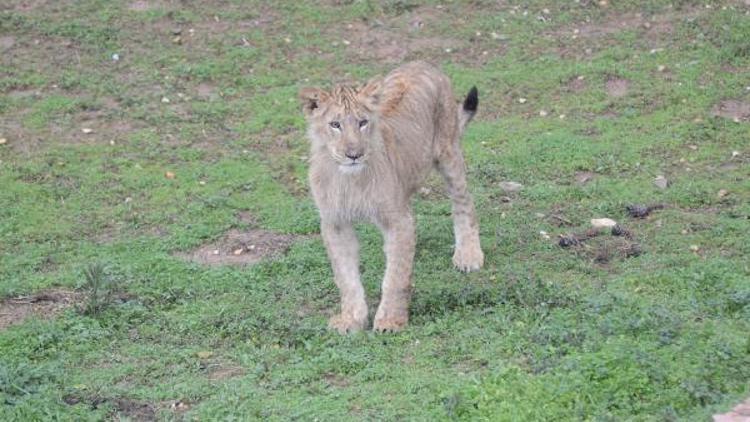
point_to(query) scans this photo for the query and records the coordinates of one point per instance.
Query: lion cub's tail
(469, 109)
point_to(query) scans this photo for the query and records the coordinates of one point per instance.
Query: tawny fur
(398, 128)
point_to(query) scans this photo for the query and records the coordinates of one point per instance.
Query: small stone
(3, 141)
(522, 100)
(694, 248)
(425, 191)
(176, 31)
(562, 116)
(165, 100)
(603, 223)
(216, 252)
(684, 231)
(510, 186)
(202, 183)
(238, 251)
(735, 154)
(661, 68)
(661, 182)
(177, 40)
(544, 235)
(169, 175)
(722, 193)
(543, 113)
(693, 147)
(346, 42)
(87, 130)
(115, 57)
(128, 200)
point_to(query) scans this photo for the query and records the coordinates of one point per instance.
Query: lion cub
(372, 147)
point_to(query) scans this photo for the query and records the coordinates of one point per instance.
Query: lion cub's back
(415, 96)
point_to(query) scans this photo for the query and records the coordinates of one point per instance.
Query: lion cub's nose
(353, 154)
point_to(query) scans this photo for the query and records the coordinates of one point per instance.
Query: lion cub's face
(345, 122)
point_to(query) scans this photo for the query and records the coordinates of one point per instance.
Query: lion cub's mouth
(350, 168)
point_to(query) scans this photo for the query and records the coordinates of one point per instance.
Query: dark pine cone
(638, 211)
(567, 241)
(618, 230)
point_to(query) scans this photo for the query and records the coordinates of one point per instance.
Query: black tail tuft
(472, 100)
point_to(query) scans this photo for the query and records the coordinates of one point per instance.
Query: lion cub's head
(344, 122)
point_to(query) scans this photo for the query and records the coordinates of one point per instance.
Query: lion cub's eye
(335, 125)
(363, 123)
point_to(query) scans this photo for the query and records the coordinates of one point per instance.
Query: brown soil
(336, 380)
(617, 87)
(576, 84)
(142, 5)
(242, 248)
(583, 177)
(44, 304)
(129, 408)
(739, 111)
(740, 413)
(380, 43)
(585, 38)
(220, 373)
(6, 43)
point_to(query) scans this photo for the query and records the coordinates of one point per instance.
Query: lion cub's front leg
(343, 251)
(399, 243)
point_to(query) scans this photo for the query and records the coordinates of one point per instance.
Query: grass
(540, 333)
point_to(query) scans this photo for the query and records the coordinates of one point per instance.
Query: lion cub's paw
(346, 324)
(468, 259)
(390, 323)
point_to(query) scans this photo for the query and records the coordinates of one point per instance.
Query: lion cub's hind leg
(468, 255)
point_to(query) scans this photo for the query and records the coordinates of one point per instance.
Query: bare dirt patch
(583, 39)
(220, 373)
(583, 177)
(740, 413)
(142, 5)
(44, 304)
(242, 248)
(132, 409)
(576, 84)
(617, 87)
(6, 43)
(378, 42)
(738, 111)
(336, 380)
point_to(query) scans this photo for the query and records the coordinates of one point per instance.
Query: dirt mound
(45, 304)
(242, 248)
(617, 87)
(739, 111)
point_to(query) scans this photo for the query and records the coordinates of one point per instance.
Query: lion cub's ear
(371, 92)
(311, 99)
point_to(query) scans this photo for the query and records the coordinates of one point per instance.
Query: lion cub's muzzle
(353, 161)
